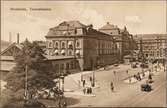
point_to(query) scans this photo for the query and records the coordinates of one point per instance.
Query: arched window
(50, 44)
(63, 45)
(56, 44)
(70, 45)
(77, 44)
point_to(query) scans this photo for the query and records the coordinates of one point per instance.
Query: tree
(39, 73)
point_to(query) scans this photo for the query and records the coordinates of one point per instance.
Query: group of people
(137, 77)
(87, 86)
(87, 90)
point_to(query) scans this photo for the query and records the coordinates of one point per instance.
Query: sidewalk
(80, 93)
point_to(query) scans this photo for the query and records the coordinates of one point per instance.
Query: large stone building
(86, 46)
(152, 46)
(123, 38)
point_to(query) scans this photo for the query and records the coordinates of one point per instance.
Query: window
(62, 68)
(70, 53)
(72, 65)
(56, 44)
(78, 44)
(57, 67)
(63, 45)
(70, 44)
(67, 66)
(79, 31)
(50, 44)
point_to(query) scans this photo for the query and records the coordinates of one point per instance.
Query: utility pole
(93, 75)
(26, 82)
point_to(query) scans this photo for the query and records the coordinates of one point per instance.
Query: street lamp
(26, 84)
(93, 79)
(62, 78)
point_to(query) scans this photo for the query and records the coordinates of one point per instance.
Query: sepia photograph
(76, 53)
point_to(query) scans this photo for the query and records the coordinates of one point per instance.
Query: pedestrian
(84, 83)
(138, 76)
(143, 74)
(90, 90)
(129, 80)
(127, 71)
(84, 90)
(150, 77)
(81, 77)
(90, 79)
(134, 76)
(112, 86)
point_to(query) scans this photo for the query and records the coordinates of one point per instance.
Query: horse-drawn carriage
(146, 87)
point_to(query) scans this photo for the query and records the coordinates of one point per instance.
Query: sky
(140, 17)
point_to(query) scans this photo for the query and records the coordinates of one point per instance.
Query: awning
(56, 51)
(62, 51)
(77, 52)
(70, 43)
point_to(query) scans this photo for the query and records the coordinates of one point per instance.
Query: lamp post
(26, 84)
(93, 79)
(62, 78)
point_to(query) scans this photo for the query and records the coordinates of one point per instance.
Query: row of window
(106, 45)
(152, 54)
(107, 51)
(63, 44)
(65, 66)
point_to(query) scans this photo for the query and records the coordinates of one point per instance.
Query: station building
(85, 47)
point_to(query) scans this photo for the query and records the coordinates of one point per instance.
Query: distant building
(153, 46)
(87, 46)
(123, 38)
(7, 60)
(7, 57)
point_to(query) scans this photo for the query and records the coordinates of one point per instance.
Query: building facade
(86, 45)
(153, 46)
(124, 40)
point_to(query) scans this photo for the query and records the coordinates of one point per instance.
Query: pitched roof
(68, 25)
(10, 46)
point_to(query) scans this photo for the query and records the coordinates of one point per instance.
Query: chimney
(10, 37)
(18, 38)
